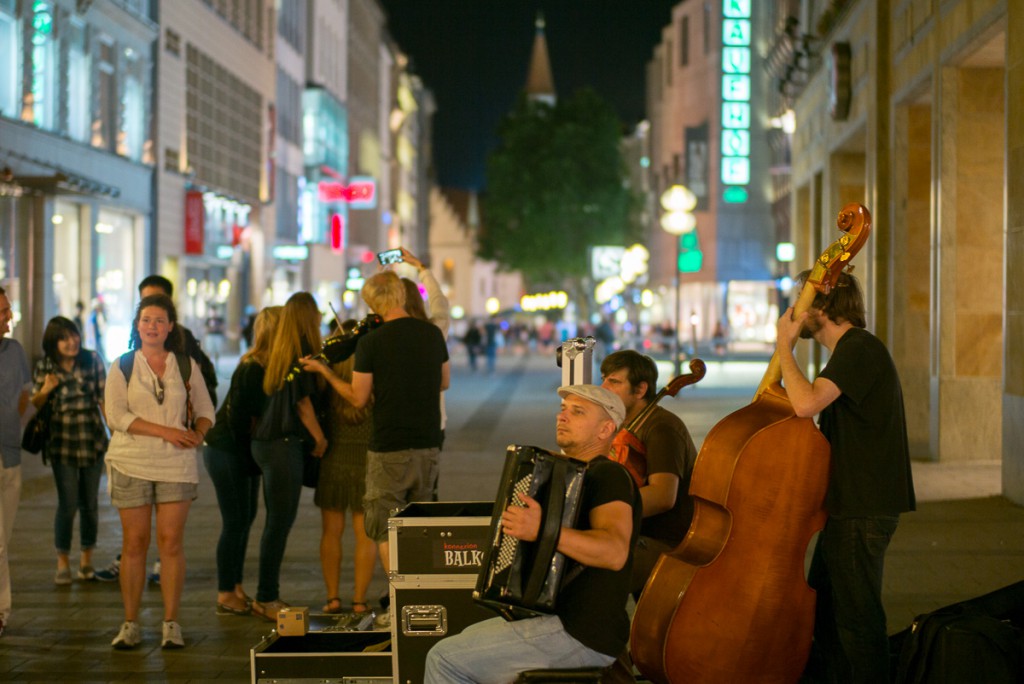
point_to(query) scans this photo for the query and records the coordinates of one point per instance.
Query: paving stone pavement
(964, 540)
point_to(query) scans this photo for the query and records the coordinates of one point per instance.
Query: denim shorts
(131, 492)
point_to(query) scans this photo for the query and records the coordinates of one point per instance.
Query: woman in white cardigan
(158, 423)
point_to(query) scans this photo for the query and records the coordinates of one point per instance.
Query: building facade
(76, 164)
(709, 131)
(216, 138)
(912, 109)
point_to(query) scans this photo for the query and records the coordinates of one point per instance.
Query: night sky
(474, 54)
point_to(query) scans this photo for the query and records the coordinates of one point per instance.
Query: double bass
(731, 602)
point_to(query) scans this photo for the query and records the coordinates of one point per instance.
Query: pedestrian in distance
(287, 421)
(159, 410)
(859, 401)
(472, 340)
(14, 396)
(340, 489)
(232, 469)
(73, 380)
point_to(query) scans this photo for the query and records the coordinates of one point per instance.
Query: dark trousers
(238, 490)
(281, 463)
(850, 638)
(77, 492)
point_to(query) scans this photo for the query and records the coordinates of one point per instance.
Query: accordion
(521, 579)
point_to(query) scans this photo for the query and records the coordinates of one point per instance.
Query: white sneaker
(130, 636)
(172, 635)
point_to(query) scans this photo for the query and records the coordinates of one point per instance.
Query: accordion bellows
(521, 579)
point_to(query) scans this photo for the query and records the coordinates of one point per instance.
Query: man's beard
(812, 324)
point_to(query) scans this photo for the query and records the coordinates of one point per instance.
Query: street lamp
(678, 202)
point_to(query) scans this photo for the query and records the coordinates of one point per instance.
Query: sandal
(364, 604)
(333, 606)
(226, 609)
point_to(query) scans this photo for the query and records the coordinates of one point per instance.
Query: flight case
(333, 650)
(436, 554)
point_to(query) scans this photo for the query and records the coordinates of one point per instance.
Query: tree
(556, 185)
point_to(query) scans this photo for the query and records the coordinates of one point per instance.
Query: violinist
(860, 402)
(665, 443)
(404, 364)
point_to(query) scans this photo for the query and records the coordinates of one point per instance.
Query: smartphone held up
(390, 256)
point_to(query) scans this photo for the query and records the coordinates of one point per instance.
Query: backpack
(127, 364)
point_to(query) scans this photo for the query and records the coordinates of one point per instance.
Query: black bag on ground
(978, 640)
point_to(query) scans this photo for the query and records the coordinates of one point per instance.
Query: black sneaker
(109, 574)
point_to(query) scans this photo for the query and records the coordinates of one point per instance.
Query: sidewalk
(964, 540)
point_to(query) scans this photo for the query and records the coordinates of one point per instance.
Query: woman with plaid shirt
(74, 379)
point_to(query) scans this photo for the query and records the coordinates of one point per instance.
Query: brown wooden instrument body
(731, 603)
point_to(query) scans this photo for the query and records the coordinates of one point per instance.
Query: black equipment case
(329, 652)
(979, 640)
(437, 549)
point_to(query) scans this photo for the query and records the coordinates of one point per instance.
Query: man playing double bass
(669, 453)
(860, 402)
(590, 626)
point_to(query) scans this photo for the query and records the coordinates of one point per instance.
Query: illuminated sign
(290, 252)
(360, 193)
(736, 95)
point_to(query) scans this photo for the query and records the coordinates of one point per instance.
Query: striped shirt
(77, 434)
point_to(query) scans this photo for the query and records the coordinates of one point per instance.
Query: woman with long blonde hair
(229, 461)
(341, 487)
(288, 418)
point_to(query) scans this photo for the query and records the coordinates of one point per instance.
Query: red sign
(195, 215)
(361, 192)
(337, 235)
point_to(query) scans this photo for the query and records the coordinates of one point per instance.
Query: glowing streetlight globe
(678, 222)
(678, 198)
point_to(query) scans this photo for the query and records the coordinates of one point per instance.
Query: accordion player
(518, 578)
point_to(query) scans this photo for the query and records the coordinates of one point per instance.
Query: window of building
(172, 42)
(79, 83)
(106, 115)
(132, 136)
(707, 28)
(10, 82)
(684, 42)
(45, 69)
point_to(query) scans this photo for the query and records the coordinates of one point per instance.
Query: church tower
(540, 85)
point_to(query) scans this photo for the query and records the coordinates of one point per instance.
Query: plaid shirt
(77, 433)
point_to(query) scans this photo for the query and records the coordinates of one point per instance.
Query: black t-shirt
(670, 449)
(405, 357)
(867, 430)
(592, 606)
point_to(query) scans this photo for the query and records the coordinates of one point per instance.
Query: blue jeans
(77, 491)
(850, 637)
(238, 491)
(493, 651)
(281, 463)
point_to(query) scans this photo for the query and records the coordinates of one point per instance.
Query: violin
(339, 347)
(627, 448)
